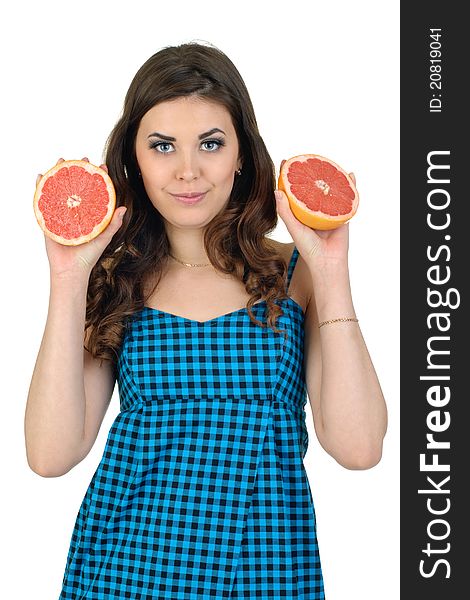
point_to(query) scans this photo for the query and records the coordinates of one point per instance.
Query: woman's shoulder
(300, 288)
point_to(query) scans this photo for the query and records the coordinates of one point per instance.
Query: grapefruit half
(321, 194)
(74, 202)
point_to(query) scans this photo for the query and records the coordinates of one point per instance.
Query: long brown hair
(235, 239)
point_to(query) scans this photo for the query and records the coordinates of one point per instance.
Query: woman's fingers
(102, 166)
(61, 160)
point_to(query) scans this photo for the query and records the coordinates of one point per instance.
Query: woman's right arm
(70, 390)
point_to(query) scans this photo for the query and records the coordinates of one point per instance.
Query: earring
(238, 171)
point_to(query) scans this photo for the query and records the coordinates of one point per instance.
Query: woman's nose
(188, 168)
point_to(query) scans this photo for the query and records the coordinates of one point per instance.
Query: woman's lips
(189, 198)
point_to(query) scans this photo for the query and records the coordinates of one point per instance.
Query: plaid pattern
(201, 491)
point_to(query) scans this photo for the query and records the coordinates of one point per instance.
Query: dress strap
(292, 263)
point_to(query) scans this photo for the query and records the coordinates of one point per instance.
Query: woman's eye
(163, 147)
(211, 145)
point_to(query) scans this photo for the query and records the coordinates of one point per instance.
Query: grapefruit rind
(307, 216)
(99, 227)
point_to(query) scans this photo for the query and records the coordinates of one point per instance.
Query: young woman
(215, 333)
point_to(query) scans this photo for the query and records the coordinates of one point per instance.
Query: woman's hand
(72, 261)
(317, 247)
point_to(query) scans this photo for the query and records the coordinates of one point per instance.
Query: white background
(323, 77)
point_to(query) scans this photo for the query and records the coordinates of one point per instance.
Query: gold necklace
(189, 264)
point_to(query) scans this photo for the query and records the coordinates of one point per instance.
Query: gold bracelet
(341, 319)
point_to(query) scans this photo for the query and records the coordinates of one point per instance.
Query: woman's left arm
(350, 414)
(349, 410)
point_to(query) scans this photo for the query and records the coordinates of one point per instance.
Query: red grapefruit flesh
(321, 194)
(74, 202)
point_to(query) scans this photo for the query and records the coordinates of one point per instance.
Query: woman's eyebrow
(211, 132)
(168, 138)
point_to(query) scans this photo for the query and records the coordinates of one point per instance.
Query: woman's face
(187, 150)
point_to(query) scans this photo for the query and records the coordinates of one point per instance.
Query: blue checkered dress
(201, 491)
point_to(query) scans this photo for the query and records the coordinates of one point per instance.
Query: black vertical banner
(434, 257)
